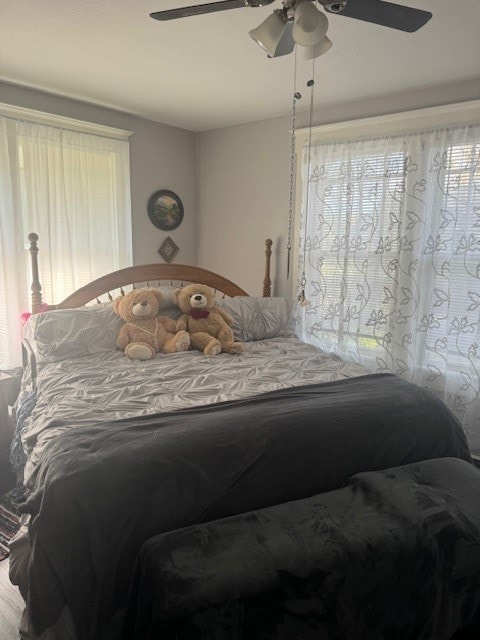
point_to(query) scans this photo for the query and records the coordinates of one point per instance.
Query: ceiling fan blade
(195, 10)
(387, 14)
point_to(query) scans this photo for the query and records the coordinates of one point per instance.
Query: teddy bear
(208, 325)
(145, 332)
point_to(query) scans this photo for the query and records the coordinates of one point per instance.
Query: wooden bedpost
(36, 286)
(267, 283)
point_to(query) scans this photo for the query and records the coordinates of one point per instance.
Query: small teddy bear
(208, 326)
(145, 332)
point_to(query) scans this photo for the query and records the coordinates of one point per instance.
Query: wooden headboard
(153, 274)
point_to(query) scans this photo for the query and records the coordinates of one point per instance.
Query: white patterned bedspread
(108, 386)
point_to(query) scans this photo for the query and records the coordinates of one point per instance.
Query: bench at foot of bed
(394, 554)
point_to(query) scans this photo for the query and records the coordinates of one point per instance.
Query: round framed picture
(165, 210)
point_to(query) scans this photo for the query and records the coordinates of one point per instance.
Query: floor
(11, 605)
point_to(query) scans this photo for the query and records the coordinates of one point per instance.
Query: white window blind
(72, 189)
(392, 259)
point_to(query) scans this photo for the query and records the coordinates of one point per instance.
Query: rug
(9, 519)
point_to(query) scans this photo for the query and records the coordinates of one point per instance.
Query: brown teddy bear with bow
(208, 326)
(145, 332)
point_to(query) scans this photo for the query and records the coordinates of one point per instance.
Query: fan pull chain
(302, 300)
(296, 96)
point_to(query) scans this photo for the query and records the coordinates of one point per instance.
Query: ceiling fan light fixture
(309, 25)
(286, 43)
(317, 50)
(268, 34)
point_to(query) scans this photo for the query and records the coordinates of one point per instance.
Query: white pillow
(259, 318)
(70, 333)
(168, 307)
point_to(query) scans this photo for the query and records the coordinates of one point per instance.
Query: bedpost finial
(33, 239)
(267, 283)
(36, 287)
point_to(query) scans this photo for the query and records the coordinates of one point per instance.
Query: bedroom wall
(161, 157)
(234, 182)
(243, 183)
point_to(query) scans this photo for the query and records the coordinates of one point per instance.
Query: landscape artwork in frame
(168, 249)
(165, 210)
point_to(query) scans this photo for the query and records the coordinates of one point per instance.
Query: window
(72, 189)
(392, 259)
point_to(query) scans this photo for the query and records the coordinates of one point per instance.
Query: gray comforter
(101, 490)
(92, 389)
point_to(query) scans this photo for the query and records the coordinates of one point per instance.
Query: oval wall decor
(165, 210)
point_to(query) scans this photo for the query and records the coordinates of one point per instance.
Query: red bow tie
(199, 313)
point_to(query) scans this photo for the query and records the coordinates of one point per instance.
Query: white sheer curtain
(73, 190)
(13, 259)
(392, 260)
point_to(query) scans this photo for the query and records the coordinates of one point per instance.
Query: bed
(120, 451)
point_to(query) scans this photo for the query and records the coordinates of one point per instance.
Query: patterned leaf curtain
(391, 251)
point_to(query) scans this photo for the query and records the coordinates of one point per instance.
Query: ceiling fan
(300, 22)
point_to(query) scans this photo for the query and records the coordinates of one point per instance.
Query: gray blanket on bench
(101, 491)
(393, 555)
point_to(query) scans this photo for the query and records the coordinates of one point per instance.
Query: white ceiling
(206, 72)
